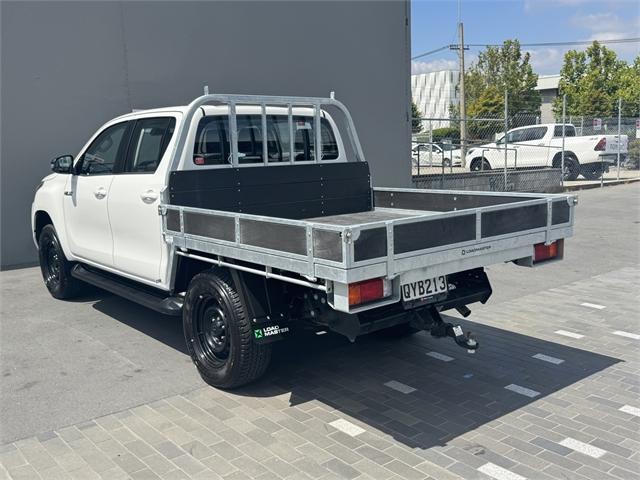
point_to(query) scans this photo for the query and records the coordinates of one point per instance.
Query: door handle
(68, 193)
(149, 196)
(100, 193)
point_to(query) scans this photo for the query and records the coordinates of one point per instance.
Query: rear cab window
(569, 131)
(212, 142)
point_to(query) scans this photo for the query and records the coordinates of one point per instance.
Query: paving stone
(24, 472)
(218, 465)
(139, 448)
(144, 474)
(341, 469)
(158, 464)
(188, 464)
(169, 449)
(129, 463)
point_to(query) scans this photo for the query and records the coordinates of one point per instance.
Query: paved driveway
(101, 388)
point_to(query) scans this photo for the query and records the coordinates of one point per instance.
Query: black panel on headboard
(286, 191)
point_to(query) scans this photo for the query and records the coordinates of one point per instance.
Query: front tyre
(55, 268)
(219, 335)
(571, 168)
(479, 165)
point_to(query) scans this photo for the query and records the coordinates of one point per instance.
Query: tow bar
(439, 329)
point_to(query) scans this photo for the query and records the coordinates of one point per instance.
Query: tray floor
(377, 215)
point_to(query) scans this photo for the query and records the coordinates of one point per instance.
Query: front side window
(148, 143)
(530, 134)
(100, 158)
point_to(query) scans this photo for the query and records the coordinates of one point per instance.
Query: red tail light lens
(601, 145)
(368, 291)
(542, 252)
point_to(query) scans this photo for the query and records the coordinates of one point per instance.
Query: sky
(433, 25)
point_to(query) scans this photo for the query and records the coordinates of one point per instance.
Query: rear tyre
(446, 162)
(571, 168)
(592, 171)
(55, 268)
(219, 335)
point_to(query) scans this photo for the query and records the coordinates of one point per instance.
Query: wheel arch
(259, 295)
(476, 160)
(40, 219)
(557, 158)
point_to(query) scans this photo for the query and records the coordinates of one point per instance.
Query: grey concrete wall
(67, 67)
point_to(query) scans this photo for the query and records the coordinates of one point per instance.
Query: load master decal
(269, 331)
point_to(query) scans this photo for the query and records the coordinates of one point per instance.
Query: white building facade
(434, 93)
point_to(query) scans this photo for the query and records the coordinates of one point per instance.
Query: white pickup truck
(541, 146)
(250, 217)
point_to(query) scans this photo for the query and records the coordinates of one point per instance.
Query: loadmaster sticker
(268, 331)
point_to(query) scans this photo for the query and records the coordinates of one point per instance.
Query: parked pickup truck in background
(432, 155)
(541, 146)
(254, 216)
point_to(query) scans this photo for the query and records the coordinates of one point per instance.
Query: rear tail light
(369, 291)
(542, 252)
(601, 145)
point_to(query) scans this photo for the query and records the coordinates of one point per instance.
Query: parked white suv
(541, 146)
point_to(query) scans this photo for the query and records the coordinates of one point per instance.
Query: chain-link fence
(536, 154)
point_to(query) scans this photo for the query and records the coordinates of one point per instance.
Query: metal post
(506, 129)
(265, 146)
(619, 137)
(292, 153)
(564, 118)
(430, 144)
(463, 103)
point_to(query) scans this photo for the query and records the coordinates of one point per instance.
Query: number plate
(421, 289)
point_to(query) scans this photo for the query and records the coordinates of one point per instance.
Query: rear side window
(149, 140)
(569, 131)
(212, 145)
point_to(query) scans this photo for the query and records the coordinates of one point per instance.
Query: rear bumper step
(145, 296)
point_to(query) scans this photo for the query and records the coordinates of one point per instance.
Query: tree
(500, 69)
(629, 91)
(593, 81)
(416, 115)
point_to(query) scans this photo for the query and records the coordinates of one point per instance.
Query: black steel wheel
(55, 268)
(592, 171)
(218, 333)
(571, 168)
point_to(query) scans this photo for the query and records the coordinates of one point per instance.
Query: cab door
(138, 246)
(87, 193)
(532, 147)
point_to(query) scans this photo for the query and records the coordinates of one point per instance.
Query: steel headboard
(263, 101)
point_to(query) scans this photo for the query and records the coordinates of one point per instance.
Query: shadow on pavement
(451, 397)
(164, 328)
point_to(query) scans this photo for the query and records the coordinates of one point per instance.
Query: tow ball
(439, 328)
(462, 339)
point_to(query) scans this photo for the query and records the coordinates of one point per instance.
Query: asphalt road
(66, 362)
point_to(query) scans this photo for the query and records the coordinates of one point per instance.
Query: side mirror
(62, 164)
